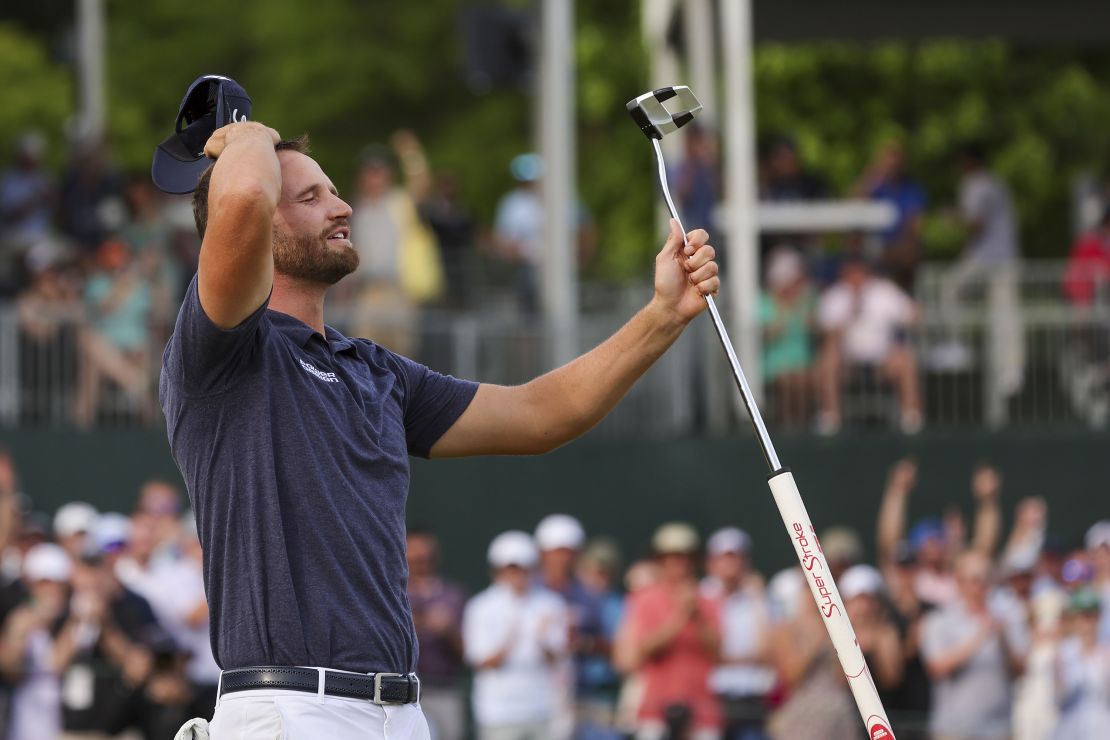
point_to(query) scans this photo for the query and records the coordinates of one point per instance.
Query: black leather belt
(379, 688)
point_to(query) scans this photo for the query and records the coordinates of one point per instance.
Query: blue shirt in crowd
(294, 447)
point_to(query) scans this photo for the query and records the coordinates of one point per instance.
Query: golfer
(294, 443)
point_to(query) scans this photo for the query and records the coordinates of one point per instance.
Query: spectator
(518, 230)
(399, 261)
(72, 523)
(437, 612)
(186, 618)
(1087, 285)
(818, 700)
(105, 647)
(785, 179)
(27, 648)
(12, 591)
(599, 683)
(991, 258)
(864, 321)
(1083, 666)
(886, 180)
(697, 179)
(842, 548)
(1097, 542)
(26, 204)
(91, 201)
(559, 538)
(674, 640)
(1088, 270)
(115, 346)
(161, 502)
(861, 587)
(971, 655)
(785, 315)
(515, 636)
(149, 233)
(928, 543)
(50, 312)
(454, 227)
(744, 677)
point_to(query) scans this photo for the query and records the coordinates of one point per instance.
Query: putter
(656, 120)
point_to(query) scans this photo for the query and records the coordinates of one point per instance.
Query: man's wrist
(665, 317)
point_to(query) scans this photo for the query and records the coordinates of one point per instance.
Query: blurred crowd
(97, 261)
(969, 631)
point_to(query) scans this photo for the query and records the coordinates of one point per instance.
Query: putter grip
(815, 569)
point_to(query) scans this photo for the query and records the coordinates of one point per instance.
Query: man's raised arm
(563, 404)
(236, 269)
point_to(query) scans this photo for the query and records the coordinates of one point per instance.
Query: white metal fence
(1063, 375)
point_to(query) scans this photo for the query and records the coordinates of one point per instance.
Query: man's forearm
(570, 400)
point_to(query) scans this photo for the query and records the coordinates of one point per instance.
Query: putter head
(655, 119)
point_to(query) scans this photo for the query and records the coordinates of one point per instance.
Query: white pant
(269, 714)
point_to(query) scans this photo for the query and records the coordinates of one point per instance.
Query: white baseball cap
(110, 531)
(513, 548)
(859, 580)
(1098, 535)
(558, 531)
(47, 562)
(74, 517)
(729, 539)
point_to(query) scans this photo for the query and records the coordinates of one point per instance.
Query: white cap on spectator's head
(513, 548)
(74, 517)
(859, 580)
(1098, 535)
(47, 562)
(110, 532)
(785, 267)
(675, 538)
(557, 531)
(729, 540)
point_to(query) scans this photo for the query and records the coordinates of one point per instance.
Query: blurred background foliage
(350, 73)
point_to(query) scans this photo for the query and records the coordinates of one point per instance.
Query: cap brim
(174, 175)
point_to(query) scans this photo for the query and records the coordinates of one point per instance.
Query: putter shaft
(769, 455)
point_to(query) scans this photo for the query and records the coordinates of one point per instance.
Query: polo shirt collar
(302, 333)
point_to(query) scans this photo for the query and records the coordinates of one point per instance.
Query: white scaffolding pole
(559, 278)
(90, 70)
(701, 57)
(740, 189)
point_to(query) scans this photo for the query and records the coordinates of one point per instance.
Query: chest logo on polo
(320, 374)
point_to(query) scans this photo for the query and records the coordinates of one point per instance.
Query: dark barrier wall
(624, 489)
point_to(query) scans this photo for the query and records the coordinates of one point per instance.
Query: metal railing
(1063, 375)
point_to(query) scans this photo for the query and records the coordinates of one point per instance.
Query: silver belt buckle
(378, 686)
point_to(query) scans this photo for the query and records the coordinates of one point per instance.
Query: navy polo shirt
(294, 447)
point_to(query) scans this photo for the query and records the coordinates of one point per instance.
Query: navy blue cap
(211, 102)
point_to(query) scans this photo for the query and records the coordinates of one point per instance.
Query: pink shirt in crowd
(680, 674)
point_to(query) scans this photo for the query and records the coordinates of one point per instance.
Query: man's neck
(299, 299)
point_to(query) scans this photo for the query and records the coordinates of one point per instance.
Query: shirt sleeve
(483, 632)
(206, 359)
(433, 402)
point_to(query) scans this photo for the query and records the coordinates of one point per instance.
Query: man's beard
(311, 258)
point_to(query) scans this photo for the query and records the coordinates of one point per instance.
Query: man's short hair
(200, 195)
